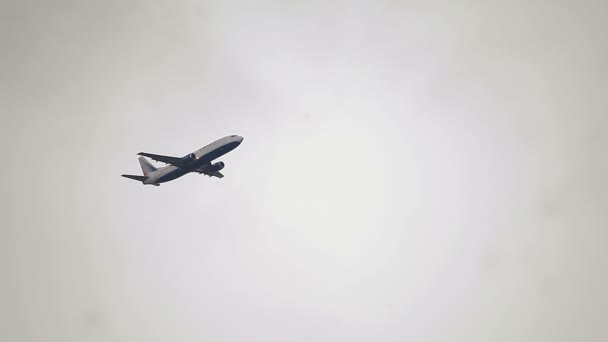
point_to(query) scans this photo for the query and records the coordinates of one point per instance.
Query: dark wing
(203, 170)
(163, 159)
(215, 174)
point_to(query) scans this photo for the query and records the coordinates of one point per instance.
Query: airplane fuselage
(202, 160)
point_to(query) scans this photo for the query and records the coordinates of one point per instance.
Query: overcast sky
(411, 171)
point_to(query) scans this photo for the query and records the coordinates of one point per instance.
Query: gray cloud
(410, 171)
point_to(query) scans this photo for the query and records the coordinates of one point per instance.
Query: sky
(411, 170)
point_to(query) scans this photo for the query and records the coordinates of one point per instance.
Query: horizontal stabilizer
(137, 178)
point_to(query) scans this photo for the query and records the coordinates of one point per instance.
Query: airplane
(198, 161)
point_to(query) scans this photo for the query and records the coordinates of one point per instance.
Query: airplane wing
(163, 159)
(216, 174)
(204, 171)
(211, 174)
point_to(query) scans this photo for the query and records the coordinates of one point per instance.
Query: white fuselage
(204, 157)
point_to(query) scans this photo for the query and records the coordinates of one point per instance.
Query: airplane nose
(240, 139)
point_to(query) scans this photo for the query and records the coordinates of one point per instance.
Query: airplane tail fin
(146, 167)
(137, 178)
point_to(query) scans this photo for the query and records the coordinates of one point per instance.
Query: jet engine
(217, 166)
(189, 159)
